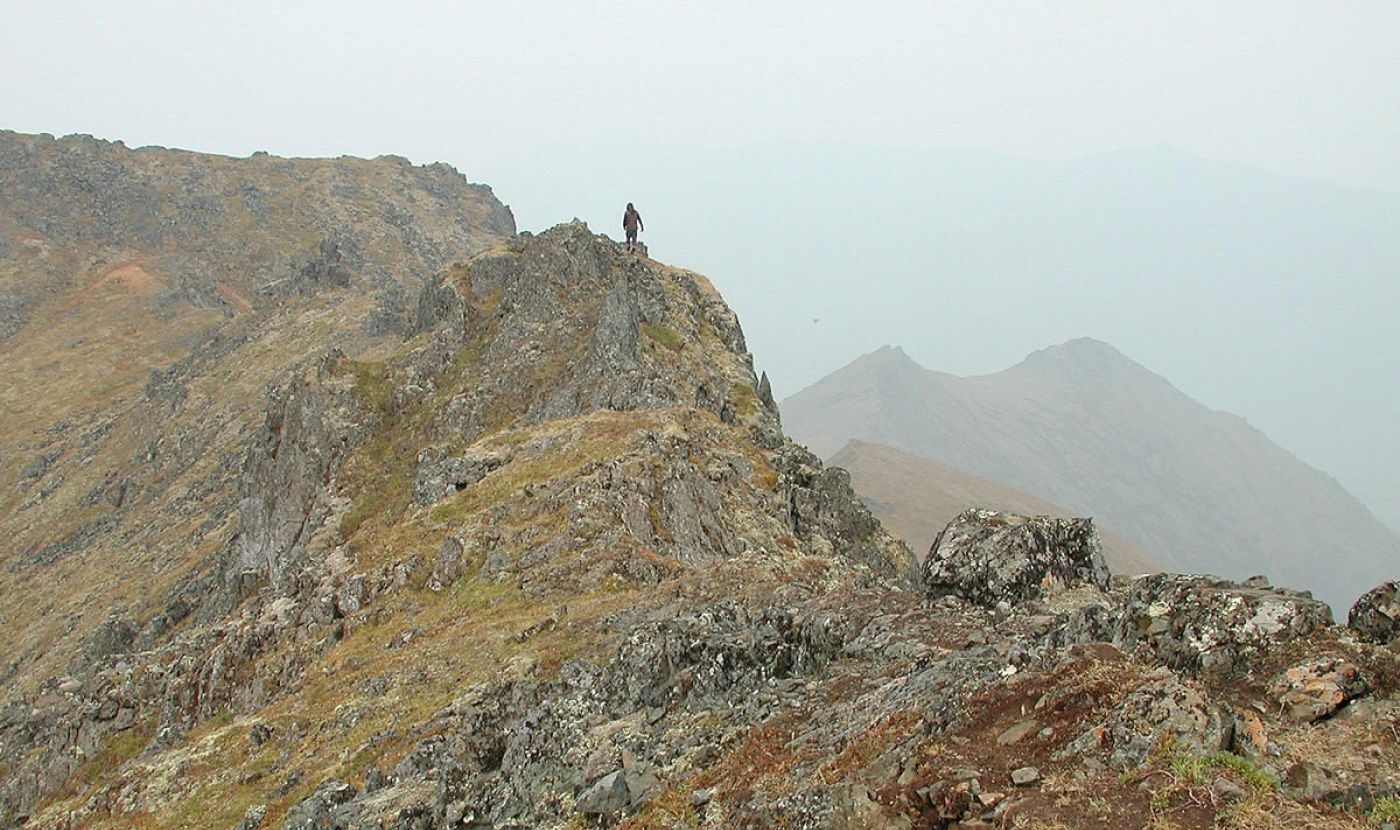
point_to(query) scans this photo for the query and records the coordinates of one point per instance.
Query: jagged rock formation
(1376, 615)
(1197, 623)
(1083, 426)
(988, 558)
(547, 560)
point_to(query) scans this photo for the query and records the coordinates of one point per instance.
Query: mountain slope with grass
(510, 536)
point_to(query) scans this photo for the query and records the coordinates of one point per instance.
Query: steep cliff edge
(541, 556)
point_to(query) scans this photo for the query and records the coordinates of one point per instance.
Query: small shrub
(1188, 769)
(1387, 810)
(372, 387)
(1250, 774)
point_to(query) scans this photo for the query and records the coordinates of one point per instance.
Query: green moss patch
(665, 335)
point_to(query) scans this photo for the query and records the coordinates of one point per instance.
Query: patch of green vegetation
(118, 749)
(384, 465)
(217, 722)
(1196, 770)
(372, 386)
(475, 593)
(213, 805)
(500, 484)
(764, 476)
(1188, 769)
(1247, 770)
(745, 400)
(1386, 810)
(665, 335)
(615, 584)
(381, 470)
(658, 526)
(356, 766)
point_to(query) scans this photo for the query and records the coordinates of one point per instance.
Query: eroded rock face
(1204, 624)
(987, 557)
(311, 423)
(323, 808)
(1376, 615)
(439, 476)
(821, 508)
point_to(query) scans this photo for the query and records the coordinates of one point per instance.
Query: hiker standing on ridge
(631, 223)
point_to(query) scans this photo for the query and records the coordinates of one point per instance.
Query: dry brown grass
(868, 745)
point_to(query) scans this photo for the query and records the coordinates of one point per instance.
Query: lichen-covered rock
(1163, 710)
(318, 810)
(1316, 689)
(1204, 624)
(987, 557)
(439, 476)
(1376, 615)
(605, 796)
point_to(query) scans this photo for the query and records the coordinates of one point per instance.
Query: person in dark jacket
(632, 223)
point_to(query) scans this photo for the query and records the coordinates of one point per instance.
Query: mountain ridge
(1084, 426)
(483, 530)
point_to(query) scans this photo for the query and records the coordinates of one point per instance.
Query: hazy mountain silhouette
(1083, 426)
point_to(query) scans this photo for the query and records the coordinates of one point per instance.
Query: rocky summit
(417, 522)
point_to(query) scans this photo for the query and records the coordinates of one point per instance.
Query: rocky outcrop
(1164, 710)
(1376, 614)
(568, 325)
(1203, 624)
(1316, 689)
(438, 477)
(312, 421)
(990, 558)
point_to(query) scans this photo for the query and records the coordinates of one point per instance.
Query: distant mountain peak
(1081, 350)
(887, 358)
(888, 352)
(1085, 360)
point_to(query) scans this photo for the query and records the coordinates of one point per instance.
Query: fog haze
(1211, 189)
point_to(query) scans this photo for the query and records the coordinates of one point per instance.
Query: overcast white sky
(1304, 88)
